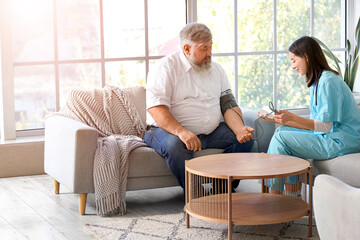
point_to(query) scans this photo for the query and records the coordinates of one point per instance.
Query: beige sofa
(70, 147)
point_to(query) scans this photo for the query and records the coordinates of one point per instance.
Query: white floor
(29, 209)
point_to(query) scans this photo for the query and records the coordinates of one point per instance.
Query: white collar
(185, 61)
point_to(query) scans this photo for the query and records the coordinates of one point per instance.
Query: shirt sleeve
(158, 86)
(322, 126)
(329, 101)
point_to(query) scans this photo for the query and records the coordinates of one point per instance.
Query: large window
(252, 38)
(59, 45)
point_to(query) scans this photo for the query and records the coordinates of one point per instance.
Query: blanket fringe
(110, 205)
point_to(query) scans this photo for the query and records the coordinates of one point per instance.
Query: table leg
(264, 189)
(229, 207)
(187, 221)
(187, 190)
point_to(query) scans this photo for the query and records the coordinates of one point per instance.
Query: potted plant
(352, 61)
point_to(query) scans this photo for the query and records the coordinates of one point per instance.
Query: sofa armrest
(336, 208)
(263, 130)
(69, 153)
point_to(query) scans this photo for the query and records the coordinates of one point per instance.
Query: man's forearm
(165, 120)
(233, 120)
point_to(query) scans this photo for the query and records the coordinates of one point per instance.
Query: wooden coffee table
(220, 205)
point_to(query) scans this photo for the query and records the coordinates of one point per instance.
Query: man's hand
(166, 121)
(191, 141)
(245, 134)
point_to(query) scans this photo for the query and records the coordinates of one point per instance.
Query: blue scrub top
(335, 103)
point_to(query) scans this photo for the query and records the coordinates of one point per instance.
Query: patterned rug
(172, 226)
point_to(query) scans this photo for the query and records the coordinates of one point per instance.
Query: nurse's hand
(284, 117)
(266, 118)
(245, 134)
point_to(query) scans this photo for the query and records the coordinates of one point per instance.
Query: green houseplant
(352, 61)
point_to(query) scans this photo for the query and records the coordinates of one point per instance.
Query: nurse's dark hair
(306, 47)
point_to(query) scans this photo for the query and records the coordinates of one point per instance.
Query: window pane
(124, 23)
(255, 81)
(164, 35)
(78, 76)
(78, 29)
(219, 17)
(34, 95)
(32, 30)
(292, 89)
(228, 64)
(328, 13)
(125, 73)
(293, 21)
(255, 25)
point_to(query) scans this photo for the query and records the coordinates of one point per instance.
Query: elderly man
(187, 97)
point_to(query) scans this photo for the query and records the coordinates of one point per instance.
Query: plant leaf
(357, 39)
(356, 51)
(352, 62)
(354, 72)
(348, 80)
(346, 74)
(357, 29)
(348, 46)
(330, 54)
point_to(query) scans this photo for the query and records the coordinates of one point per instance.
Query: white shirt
(193, 98)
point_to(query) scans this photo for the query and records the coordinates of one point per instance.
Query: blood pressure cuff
(227, 100)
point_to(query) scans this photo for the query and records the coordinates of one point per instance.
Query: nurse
(333, 128)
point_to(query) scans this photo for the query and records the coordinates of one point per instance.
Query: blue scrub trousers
(299, 143)
(175, 153)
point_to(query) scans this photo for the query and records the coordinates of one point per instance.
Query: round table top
(246, 165)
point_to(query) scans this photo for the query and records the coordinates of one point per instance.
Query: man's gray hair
(195, 33)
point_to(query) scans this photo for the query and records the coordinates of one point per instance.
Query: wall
(21, 158)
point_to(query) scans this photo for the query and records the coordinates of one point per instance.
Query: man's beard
(202, 67)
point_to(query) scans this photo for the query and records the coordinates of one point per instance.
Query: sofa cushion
(141, 183)
(145, 162)
(345, 168)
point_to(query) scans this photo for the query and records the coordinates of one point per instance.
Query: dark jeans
(175, 153)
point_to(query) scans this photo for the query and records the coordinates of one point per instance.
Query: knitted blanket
(113, 114)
